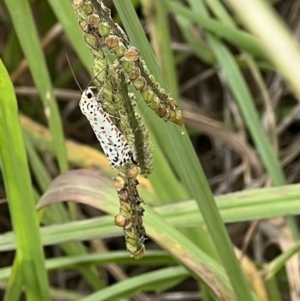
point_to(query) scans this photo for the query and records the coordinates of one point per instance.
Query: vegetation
(222, 200)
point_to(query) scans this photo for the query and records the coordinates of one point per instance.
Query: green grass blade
(242, 95)
(274, 267)
(14, 287)
(94, 259)
(242, 206)
(20, 195)
(92, 191)
(161, 34)
(197, 45)
(66, 16)
(127, 287)
(273, 290)
(269, 157)
(57, 214)
(281, 48)
(167, 184)
(240, 90)
(236, 37)
(187, 164)
(22, 19)
(41, 174)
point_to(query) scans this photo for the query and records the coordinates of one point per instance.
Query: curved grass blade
(172, 240)
(243, 206)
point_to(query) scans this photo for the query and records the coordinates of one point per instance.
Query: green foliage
(29, 268)
(186, 220)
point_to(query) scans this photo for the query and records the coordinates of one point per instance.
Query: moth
(112, 141)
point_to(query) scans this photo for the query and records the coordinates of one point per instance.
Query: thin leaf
(127, 287)
(20, 195)
(94, 259)
(234, 207)
(281, 48)
(237, 37)
(22, 19)
(186, 163)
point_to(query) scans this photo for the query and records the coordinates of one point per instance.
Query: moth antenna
(76, 78)
(74, 74)
(105, 68)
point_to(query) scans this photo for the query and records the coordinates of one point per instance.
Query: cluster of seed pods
(94, 14)
(131, 213)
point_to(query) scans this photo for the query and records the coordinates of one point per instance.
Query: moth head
(87, 98)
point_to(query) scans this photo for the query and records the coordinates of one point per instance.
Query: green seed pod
(104, 29)
(154, 103)
(128, 66)
(148, 94)
(82, 8)
(140, 83)
(120, 50)
(100, 69)
(92, 41)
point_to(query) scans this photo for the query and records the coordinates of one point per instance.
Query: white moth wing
(113, 142)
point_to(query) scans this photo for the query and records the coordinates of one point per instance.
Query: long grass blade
(20, 195)
(22, 19)
(187, 165)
